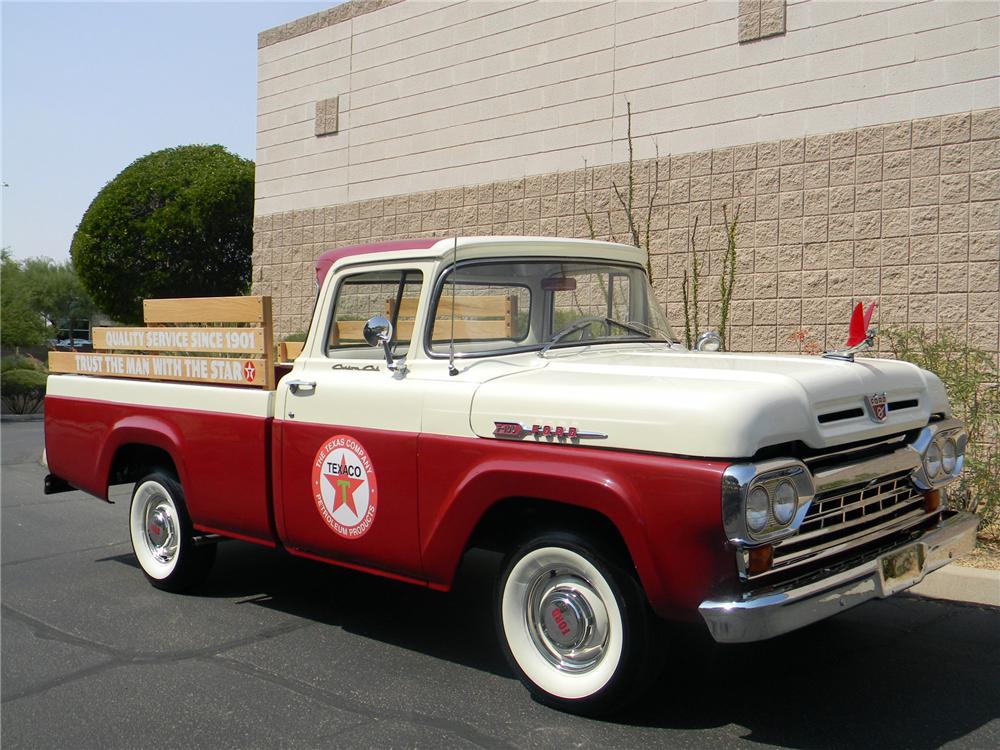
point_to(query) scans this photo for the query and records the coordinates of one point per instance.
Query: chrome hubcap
(567, 620)
(160, 529)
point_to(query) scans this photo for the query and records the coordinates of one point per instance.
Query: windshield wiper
(582, 323)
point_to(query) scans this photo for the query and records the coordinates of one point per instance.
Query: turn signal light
(932, 501)
(761, 559)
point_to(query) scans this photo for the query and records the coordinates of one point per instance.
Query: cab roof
(478, 247)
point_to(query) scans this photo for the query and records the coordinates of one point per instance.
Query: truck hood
(704, 404)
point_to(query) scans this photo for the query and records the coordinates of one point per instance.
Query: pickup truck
(528, 395)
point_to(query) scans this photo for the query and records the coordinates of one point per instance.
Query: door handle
(306, 385)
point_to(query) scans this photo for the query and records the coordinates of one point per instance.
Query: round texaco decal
(344, 486)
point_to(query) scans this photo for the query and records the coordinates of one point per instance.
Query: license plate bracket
(901, 568)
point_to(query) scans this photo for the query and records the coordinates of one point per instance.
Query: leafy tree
(55, 292)
(174, 223)
(40, 298)
(20, 325)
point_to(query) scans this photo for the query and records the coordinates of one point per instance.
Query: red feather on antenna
(860, 320)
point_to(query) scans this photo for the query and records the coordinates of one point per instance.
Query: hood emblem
(860, 336)
(877, 407)
(516, 431)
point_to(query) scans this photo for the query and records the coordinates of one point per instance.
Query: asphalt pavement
(279, 652)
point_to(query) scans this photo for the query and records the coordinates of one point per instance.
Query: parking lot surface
(279, 652)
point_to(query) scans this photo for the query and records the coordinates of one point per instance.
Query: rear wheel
(162, 535)
(574, 624)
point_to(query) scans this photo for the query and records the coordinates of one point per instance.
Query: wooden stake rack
(240, 328)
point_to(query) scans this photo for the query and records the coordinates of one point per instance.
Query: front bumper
(757, 617)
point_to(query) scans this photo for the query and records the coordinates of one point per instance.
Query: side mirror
(378, 332)
(709, 341)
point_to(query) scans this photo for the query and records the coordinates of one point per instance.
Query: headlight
(949, 455)
(785, 502)
(941, 446)
(761, 501)
(932, 460)
(758, 505)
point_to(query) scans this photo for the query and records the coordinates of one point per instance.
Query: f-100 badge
(877, 406)
(344, 486)
(516, 431)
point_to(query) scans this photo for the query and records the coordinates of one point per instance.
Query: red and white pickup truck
(528, 395)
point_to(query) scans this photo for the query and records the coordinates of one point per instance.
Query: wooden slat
(349, 331)
(206, 310)
(268, 320)
(165, 339)
(165, 367)
(487, 306)
(290, 350)
(468, 329)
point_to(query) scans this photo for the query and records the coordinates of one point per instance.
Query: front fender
(494, 481)
(667, 510)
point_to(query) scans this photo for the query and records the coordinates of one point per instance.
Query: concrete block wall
(860, 146)
(436, 94)
(907, 213)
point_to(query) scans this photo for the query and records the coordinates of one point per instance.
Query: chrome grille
(851, 516)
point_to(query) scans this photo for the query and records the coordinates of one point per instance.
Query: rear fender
(141, 430)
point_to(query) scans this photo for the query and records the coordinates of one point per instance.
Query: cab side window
(391, 293)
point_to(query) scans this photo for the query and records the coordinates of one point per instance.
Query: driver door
(349, 434)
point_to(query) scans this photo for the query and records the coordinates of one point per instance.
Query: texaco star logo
(344, 486)
(249, 372)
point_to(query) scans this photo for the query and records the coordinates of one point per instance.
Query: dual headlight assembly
(942, 454)
(764, 502)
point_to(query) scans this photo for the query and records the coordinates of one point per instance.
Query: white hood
(707, 404)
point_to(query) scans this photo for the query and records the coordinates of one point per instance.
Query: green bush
(22, 390)
(21, 363)
(174, 223)
(971, 378)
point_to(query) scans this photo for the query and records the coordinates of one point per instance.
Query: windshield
(523, 305)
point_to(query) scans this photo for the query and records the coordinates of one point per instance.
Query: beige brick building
(860, 142)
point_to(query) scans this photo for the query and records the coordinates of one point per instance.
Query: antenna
(452, 370)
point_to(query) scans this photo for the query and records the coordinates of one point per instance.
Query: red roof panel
(327, 259)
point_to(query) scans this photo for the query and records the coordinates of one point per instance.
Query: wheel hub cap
(161, 531)
(565, 618)
(157, 528)
(567, 621)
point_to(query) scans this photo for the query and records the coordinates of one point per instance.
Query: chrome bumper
(760, 616)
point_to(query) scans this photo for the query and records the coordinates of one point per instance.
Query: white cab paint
(646, 397)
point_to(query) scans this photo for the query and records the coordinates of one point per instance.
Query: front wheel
(162, 536)
(574, 625)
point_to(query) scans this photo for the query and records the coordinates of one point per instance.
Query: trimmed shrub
(22, 390)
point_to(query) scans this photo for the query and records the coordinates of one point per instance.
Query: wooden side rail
(239, 327)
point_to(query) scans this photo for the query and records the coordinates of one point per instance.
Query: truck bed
(217, 437)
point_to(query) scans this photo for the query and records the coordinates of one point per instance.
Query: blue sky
(90, 87)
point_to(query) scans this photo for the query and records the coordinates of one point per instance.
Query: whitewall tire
(575, 626)
(162, 537)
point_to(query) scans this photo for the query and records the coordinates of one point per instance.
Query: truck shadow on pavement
(904, 672)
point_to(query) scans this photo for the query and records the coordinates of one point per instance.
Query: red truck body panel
(433, 490)
(222, 460)
(391, 544)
